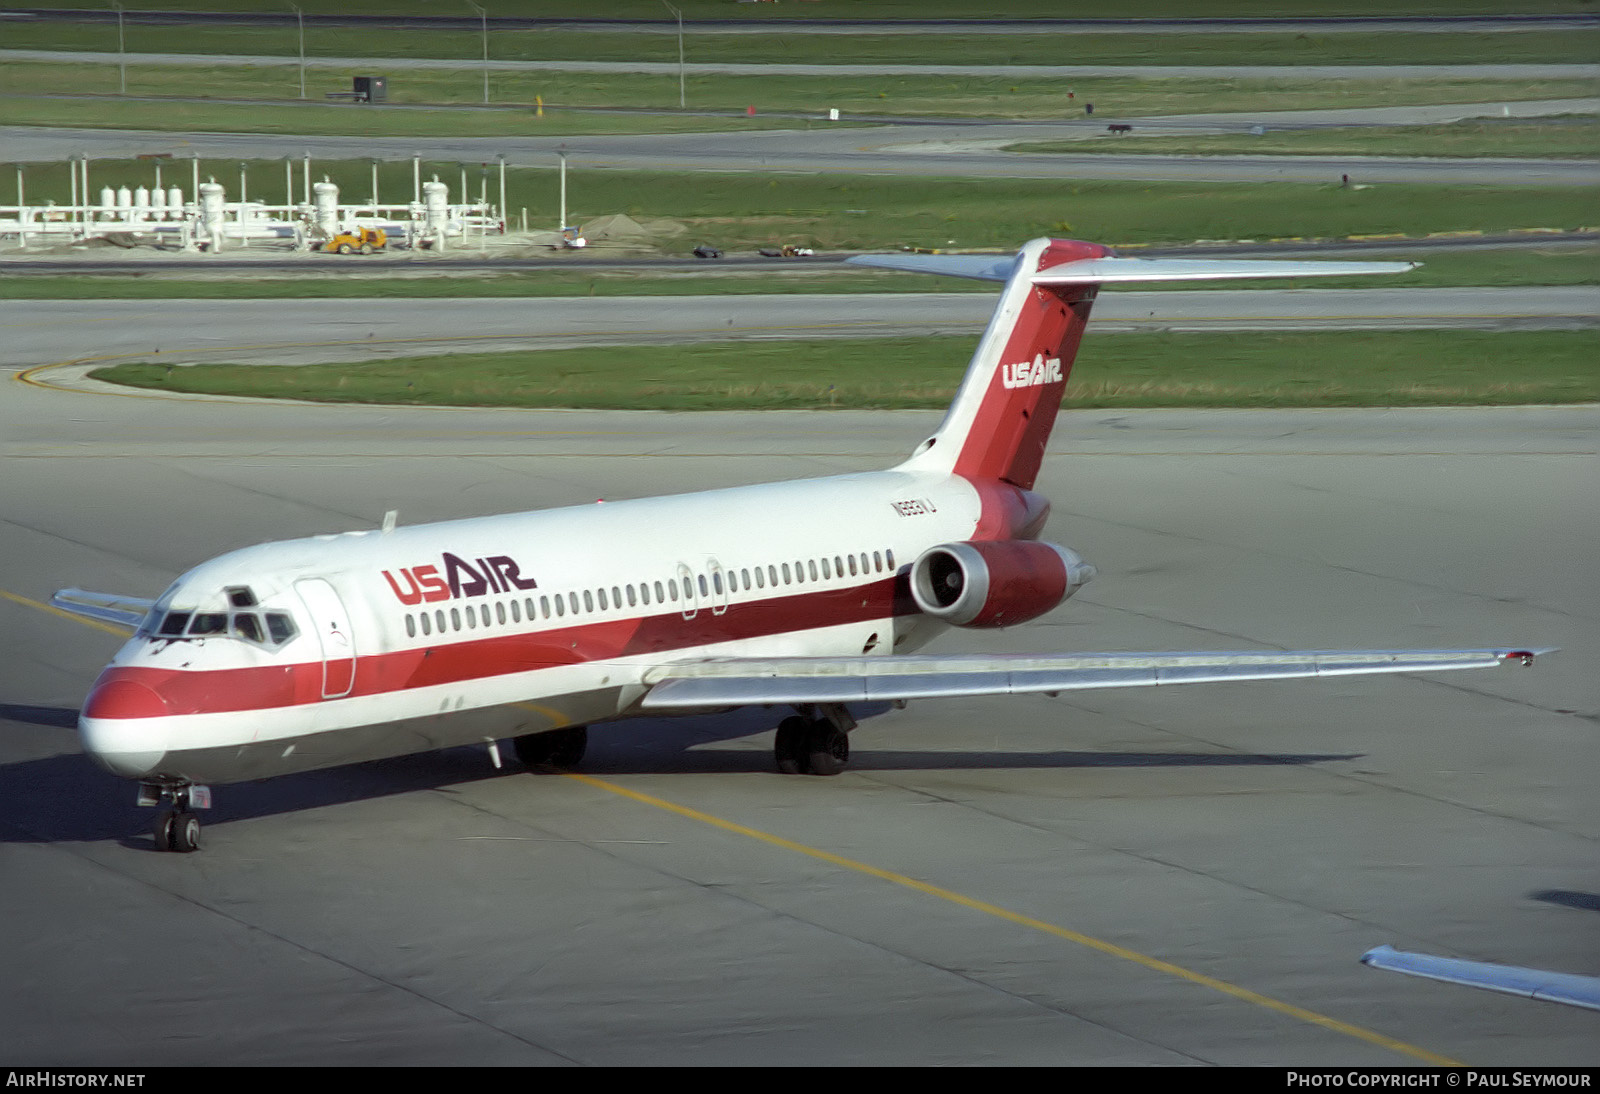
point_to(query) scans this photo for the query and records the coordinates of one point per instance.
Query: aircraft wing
(721, 682)
(1554, 987)
(129, 611)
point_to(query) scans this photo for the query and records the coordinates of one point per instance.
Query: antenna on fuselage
(388, 520)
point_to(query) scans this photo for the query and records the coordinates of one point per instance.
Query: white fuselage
(444, 634)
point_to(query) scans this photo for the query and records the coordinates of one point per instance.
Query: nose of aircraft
(123, 726)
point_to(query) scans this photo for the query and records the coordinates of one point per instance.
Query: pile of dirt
(622, 230)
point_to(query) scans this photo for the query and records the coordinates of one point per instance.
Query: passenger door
(331, 623)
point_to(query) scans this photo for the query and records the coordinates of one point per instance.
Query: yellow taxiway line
(1110, 949)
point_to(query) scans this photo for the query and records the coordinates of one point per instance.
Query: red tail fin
(1000, 422)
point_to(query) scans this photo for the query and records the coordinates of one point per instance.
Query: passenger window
(561, 606)
(602, 600)
(411, 626)
(811, 568)
(500, 613)
(761, 582)
(631, 599)
(852, 565)
(703, 590)
(716, 581)
(838, 565)
(877, 561)
(888, 558)
(688, 588)
(572, 602)
(544, 607)
(786, 573)
(516, 612)
(616, 596)
(472, 618)
(439, 618)
(425, 628)
(672, 587)
(455, 619)
(659, 598)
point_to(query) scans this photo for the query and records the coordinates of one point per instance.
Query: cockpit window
(269, 629)
(247, 626)
(208, 623)
(240, 596)
(280, 626)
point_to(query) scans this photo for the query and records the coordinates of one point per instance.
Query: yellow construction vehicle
(353, 239)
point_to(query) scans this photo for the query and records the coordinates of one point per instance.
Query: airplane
(1552, 987)
(812, 595)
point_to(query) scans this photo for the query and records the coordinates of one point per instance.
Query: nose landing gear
(177, 828)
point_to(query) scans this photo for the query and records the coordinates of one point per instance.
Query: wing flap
(774, 681)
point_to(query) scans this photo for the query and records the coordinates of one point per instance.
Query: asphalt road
(948, 150)
(429, 910)
(38, 332)
(726, 68)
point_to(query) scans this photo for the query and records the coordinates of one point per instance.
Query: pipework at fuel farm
(302, 216)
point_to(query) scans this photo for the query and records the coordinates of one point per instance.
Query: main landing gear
(814, 742)
(556, 748)
(177, 828)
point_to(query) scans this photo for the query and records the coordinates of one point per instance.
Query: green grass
(707, 47)
(1568, 136)
(1565, 265)
(1411, 368)
(90, 98)
(860, 213)
(887, 9)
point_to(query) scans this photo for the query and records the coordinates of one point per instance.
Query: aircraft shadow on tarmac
(66, 798)
(1566, 898)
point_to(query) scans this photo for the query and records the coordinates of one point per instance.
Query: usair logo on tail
(1032, 373)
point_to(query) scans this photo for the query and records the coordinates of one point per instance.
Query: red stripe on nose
(124, 699)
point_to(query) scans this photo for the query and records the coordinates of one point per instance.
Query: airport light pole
(483, 17)
(122, 55)
(300, 19)
(679, 13)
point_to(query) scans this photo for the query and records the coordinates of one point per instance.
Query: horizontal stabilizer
(1108, 271)
(129, 611)
(1553, 987)
(756, 681)
(975, 267)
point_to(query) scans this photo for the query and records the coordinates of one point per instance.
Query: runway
(728, 68)
(953, 150)
(44, 332)
(1167, 877)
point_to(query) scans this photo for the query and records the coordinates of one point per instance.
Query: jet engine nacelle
(995, 583)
